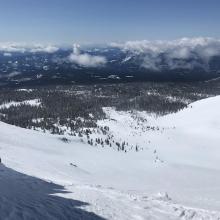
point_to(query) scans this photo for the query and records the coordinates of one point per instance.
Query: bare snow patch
(33, 102)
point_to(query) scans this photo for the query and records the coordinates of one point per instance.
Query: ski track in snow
(180, 158)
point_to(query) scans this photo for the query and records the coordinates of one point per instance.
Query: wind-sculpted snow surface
(178, 156)
(25, 197)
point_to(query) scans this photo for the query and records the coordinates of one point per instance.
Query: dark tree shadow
(24, 197)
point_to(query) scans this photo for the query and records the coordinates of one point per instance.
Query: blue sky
(101, 21)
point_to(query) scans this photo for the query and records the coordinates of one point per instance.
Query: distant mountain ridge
(183, 60)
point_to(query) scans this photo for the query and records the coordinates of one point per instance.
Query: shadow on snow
(24, 197)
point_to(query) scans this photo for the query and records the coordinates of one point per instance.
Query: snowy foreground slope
(176, 175)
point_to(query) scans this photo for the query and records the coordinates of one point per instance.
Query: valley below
(101, 152)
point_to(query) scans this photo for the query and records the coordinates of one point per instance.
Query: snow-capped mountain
(175, 176)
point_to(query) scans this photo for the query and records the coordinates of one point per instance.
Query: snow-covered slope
(23, 197)
(180, 157)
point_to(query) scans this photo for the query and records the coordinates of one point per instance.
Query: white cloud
(42, 48)
(180, 53)
(12, 47)
(174, 52)
(22, 47)
(86, 60)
